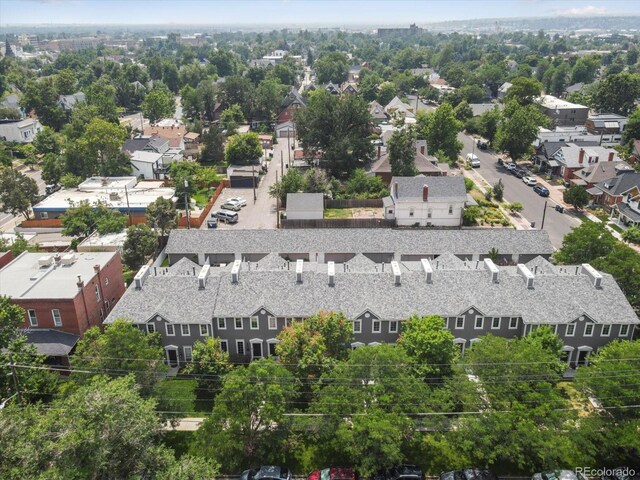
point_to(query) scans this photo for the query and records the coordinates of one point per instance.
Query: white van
(226, 216)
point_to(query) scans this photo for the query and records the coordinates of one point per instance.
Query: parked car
(333, 473)
(469, 474)
(267, 472)
(49, 189)
(622, 473)
(542, 191)
(401, 472)
(519, 172)
(482, 145)
(511, 166)
(231, 206)
(239, 200)
(473, 160)
(558, 475)
(213, 222)
(226, 216)
(531, 181)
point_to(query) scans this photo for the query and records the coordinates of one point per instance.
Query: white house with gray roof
(305, 206)
(426, 201)
(246, 304)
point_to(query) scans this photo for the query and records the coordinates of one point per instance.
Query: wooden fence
(338, 223)
(195, 222)
(354, 203)
(57, 222)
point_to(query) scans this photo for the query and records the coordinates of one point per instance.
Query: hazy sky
(282, 12)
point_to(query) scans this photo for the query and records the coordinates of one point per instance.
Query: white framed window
(393, 326)
(188, 354)
(411, 212)
(606, 331)
(375, 326)
(44, 215)
(33, 319)
(554, 328)
(57, 319)
(151, 328)
(170, 329)
(271, 345)
(513, 323)
(237, 323)
(446, 323)
(273, 323)
(624, 330)
(571, 330)
(495, 323)
(450, 209)
(240, 347)
(106, 282)
(204, 330)
(185, 330)
(288, 322)
(224, 346)
(108, 305)
(459, 323)
(253, 324)
(357, 326)
(97, 292)
(588, 330)
(222, 323)
(479, 323)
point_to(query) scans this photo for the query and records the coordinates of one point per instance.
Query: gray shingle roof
(51, 342)
(304, 202)
(360, 240)
(620, 183)
(439, 187)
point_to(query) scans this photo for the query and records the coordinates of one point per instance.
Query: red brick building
(64, 292)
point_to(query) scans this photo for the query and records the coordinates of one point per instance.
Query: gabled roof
(184, 266)
(620, 184)
(377, 111)
(360, 263)
(305, 202)
(602, 171)
(439, 187)
(292, 97)
(271, 261)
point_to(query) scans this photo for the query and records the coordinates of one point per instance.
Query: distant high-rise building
(399, 32)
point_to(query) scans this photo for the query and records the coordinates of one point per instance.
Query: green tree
(102, 143)
(139, 246)
(247, 424)
(82, 218)
(632, 129)
(68, 180)
(489, 122)
(331, 67)
(617, 93)
(102, 96)
(231, 118)
(585, 243)
(402, 153)
(213, 141)
(429, 345)
(190, 467)
(463, 111)
(624, 264)
(316, 181)
(158, 104)
(369, 87)
(192, 102)
(498, 191)
(42, 98)
(516, 207)
(577, 196)
(361, 185)
(441, 129)
(162, 215)
(238, 91)
(631, 235)
(518, 129)
(386, 92)
(269, 95)
(209, 364)
(524, 90)
(243, 149)
(47, 141)
(18, 193)
(65, 82)
(585, 69)
(292, 182)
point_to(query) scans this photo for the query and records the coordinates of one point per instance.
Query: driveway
(556, 224)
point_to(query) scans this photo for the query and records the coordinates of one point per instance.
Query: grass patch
(128, 276)
(178, 440)
(202, 196)
(477, 195)
(182, 395)
(165, 262)
(338, 213)
(617, 228)
(575, 398)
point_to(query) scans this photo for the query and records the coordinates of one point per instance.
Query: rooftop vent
(235, 271)
(331, 271)
(593, 274)
(69, 258)
(493, 270)
(202, 276)
(428, 270)
(45, 261)
(140, 277)
(299, 268)
(397, 275)
(526, 274)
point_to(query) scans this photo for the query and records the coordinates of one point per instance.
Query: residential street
(556, 224)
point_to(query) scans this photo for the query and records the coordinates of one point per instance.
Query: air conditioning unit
(68, 259)
(45, 261)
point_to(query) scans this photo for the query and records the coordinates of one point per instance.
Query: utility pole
(14, 374)
(253, 182)
(281, 164)
(126, 194)
(544, 212)
(186, 204)
(289, 145)
(277, 201)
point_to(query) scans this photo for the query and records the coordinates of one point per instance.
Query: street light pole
(253, 182)
(186, 204)
(544, 213)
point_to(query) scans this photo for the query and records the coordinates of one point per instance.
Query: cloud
(586, 11)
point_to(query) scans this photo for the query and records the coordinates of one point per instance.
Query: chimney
(80, 283)
(397, 275)
(395, 189)
(379, 151)
(299, 268)
(140, 277)
(493, 269)
(428, 270)
(331, 271)
(611, 154)
(425, 193)
(581, 156)
(526, 274)
(96, 269)
(235, 271)
(202, 277)
(593, 274)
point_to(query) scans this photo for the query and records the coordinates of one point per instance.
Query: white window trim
(59, 322)
(97, 287)
(475, 323)
(33, 321)
(166, 329)
(206, 330)
(235, 324)
(272, 341)
(257, 320)
(626, 334)
(244, 350)
(359, 323)
(373, 324)
(152, 326)
(256, 341)
(275, 323)
(395, 324)
(602, 334)
(226, 344)
(566, 330)
(515, 327)
(224, 323)
(461, 327)
(493, 327)
(554, 328)
(593, 327)
(184, 352)
(188, 334)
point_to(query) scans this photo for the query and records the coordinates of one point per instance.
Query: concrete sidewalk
(187, 424)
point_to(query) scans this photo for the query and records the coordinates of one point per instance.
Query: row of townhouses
(246, 302)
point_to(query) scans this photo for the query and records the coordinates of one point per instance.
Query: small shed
(305, 206)
(243, 176)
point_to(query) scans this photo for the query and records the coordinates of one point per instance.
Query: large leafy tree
(577, 196)
(518, 129)
(337, 128)
(158, 104)
(139, 246)
(402, 153)
(209, 364)
(213, 142)
(231, 118)
(332, 67)
(632, 129)
(524, 90)
(47, 141)
(269, 95)
(617, 93)
(81, 219)
(102, 143)
(42, 97)
(585, 243)
(162, 215)
(247, 424)
(243, 149)
(18, 193)
(441, 129)
(624, 264)
(101, 95)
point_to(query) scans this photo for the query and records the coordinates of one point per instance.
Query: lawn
(575, 398)
(178, 441)
(181, 395)
(202, 196)
(617, 228)
(128, 276)
(338, 213)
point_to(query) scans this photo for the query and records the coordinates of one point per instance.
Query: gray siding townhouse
(342, 244)
(246, 304)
